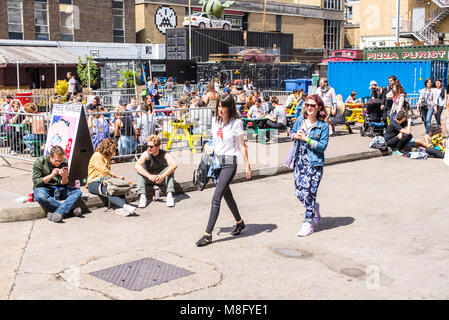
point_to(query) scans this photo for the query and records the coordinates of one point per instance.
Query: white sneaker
(306, 229)
(170, 200)
(129, 208)
(142, 201)
(122, 212)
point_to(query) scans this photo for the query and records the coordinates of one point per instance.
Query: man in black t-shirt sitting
(398, 133)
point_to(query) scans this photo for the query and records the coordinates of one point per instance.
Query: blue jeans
(126, 145)
(427, 117)
(45, 197)
(34, 137)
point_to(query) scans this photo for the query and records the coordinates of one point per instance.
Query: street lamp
(190, 30)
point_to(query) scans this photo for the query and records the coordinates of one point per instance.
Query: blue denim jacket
(320, 138)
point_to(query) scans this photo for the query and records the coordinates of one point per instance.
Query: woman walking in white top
(440, 100)
(227, 133)
(426, 103)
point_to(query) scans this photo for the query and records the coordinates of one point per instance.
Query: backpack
(416, 155)
(378, 143)
(114, 186)
(78, 87)
(406, 106)
(200, 175)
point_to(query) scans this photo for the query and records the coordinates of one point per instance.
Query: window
(332, 34)
(66, 16)
(332, 4)
(118, 21)
(41, 19)
(15, 19)
(278, 23)
(348, 12)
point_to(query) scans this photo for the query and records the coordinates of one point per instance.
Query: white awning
(36, 55)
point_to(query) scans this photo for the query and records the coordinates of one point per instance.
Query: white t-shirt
(71, 83)
(226, 142)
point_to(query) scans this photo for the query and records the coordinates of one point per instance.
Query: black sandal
(204, 241)
(238, 228)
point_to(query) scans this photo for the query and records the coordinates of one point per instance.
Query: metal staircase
(426, 34)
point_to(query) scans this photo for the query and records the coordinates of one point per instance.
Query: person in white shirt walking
(227, 133)
(327, 94)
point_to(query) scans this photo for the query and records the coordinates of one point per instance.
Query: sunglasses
(150, 147)
(310, 105)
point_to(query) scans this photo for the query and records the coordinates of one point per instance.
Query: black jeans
(434, 153)
(397, 144)
(227, 173)
(438, 114)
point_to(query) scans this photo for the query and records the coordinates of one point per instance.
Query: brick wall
(95, 19)
(3, 20)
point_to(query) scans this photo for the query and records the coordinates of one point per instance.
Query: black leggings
(438, 114)
(115, 200)
(222, 189)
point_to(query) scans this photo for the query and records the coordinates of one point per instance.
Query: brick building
(68, 20)
(372, 23)
(314, 23)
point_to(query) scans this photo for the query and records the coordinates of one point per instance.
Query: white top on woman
(226, 137)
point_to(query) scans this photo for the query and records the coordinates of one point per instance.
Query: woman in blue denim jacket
(311, 134)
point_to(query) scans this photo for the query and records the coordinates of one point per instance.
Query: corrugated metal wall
(284, 41)
(210, 41)
(345, 77)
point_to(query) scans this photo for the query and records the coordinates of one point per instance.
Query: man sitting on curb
(50, 179)
(398, 135)
(155, 167)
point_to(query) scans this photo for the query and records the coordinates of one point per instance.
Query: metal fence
(41, 102)
(23, 135)
(179, 129)
(281, 95)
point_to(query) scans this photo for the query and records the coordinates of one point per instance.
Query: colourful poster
(63, 128)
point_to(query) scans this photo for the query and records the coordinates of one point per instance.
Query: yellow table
(183, 136)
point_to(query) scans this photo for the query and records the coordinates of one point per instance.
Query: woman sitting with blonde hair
(337, 113)
(100, 168)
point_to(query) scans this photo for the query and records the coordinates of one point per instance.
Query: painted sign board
(69, 130)
(433, 53)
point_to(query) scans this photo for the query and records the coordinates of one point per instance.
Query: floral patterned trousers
(307, 180)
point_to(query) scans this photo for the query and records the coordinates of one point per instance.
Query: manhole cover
(141, 274)
(353, 272)
(294, 253)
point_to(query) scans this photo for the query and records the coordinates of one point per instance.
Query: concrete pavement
(383, 236)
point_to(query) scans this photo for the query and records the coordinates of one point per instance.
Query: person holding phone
(50, 184)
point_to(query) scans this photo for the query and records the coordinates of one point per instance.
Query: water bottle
(57, 194)
(420, 149)
(157, 193)
(77, 184)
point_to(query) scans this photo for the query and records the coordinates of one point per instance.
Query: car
(203, 21)
(254, 55)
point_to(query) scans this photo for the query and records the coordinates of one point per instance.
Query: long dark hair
(227, 102)
(400, 89)
(321, 115)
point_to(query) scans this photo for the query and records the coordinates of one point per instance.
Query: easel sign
(69, 130)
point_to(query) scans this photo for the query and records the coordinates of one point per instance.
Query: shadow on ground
(328, 223)
(250, 230)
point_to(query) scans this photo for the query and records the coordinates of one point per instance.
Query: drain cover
(141, 274)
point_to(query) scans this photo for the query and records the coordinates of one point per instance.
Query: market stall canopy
(33, 56)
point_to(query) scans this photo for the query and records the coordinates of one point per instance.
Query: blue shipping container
(345, 77)
(298, 84)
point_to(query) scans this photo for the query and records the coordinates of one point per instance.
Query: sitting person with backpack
(155, 167)
(99, 170)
